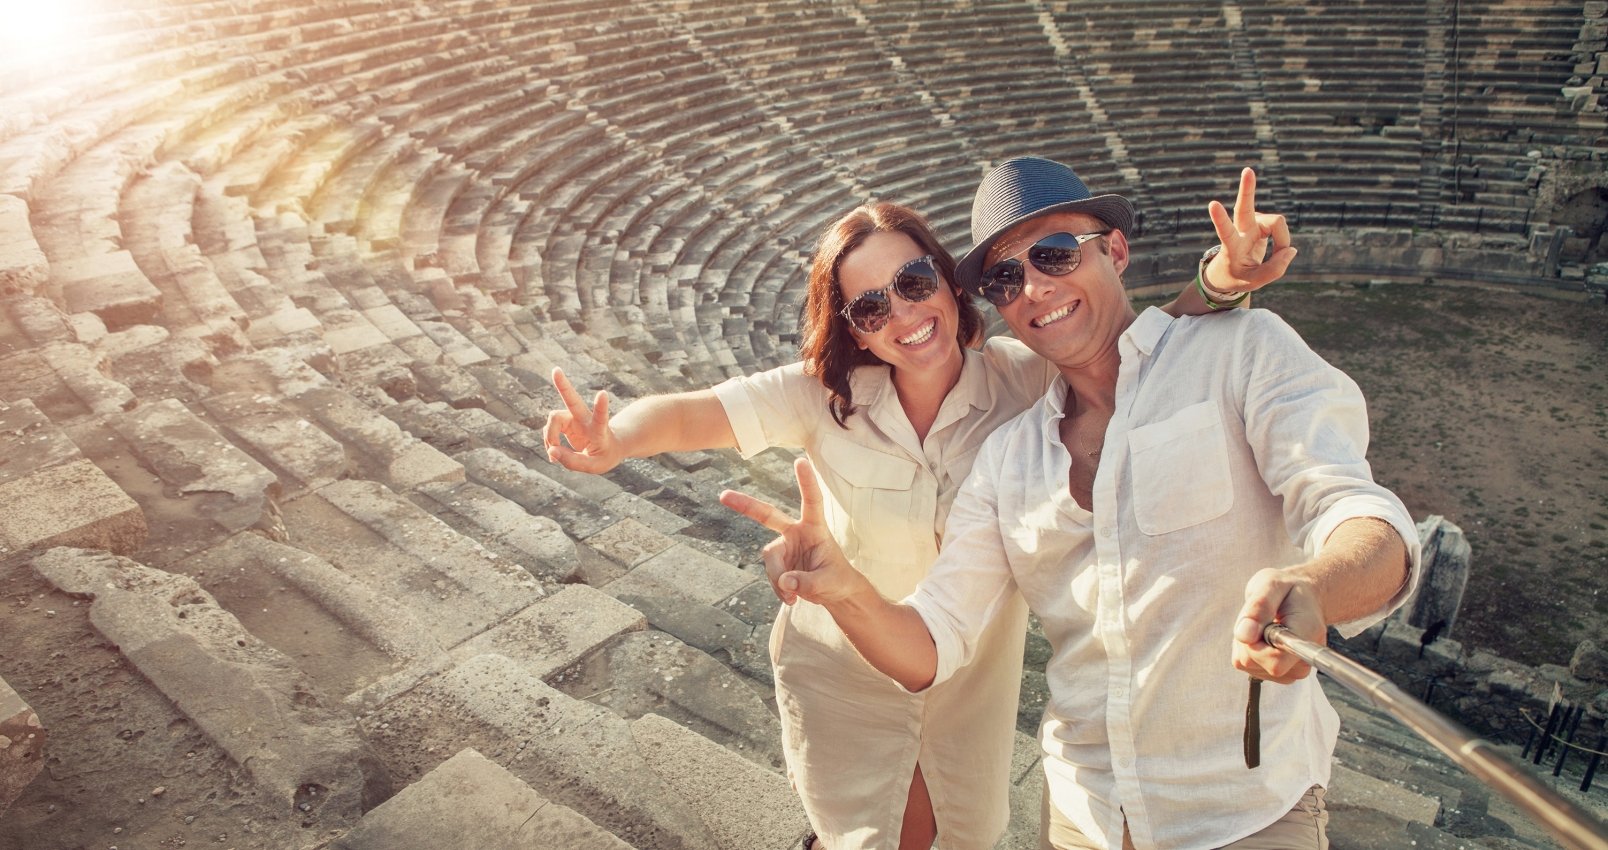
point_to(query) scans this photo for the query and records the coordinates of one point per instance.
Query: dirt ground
(1490, 408)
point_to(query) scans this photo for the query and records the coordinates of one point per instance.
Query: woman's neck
(922, 393)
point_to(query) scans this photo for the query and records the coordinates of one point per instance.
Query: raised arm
(806, 563)
(664, 423)
(1362, 566)
(1243, 264)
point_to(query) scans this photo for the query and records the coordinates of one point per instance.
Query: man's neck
(1093, 385)
(1094, 381)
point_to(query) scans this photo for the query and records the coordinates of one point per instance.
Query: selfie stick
(1573, 827)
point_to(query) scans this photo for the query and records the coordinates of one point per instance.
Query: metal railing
(1573, 827)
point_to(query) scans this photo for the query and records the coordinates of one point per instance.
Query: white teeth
(920, 336)
(1054, 316)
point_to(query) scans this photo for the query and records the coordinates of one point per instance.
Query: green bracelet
(1200, 283)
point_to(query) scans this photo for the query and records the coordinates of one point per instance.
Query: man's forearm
(1362, 566)
(890, 636)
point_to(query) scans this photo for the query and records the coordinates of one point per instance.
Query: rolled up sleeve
(971, 579)
(1307, 424)
(768, 409)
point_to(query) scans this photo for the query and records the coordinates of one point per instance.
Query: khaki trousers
(1305, 827)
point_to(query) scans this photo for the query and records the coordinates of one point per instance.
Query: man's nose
(1036, 285)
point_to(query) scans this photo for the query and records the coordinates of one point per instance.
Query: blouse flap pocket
(861, 466)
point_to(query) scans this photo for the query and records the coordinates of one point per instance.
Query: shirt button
(1106, 532)
(1124, 762)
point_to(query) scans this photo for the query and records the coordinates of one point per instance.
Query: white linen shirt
(1233, 447)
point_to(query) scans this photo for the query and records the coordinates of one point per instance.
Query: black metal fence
(1557, 739)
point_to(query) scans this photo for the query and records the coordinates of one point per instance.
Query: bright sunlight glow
(40, 32)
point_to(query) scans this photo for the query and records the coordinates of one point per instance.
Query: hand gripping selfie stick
(1573, 827)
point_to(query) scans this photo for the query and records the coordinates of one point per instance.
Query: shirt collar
(871, 383)
(1147, 330)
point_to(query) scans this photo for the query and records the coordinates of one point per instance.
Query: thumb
(804, 585)
(1260, 609)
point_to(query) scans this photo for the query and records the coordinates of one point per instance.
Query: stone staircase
(283, 563)
(1392, 789)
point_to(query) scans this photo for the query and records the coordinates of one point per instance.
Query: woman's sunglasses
(915, 281)
(1056, 254)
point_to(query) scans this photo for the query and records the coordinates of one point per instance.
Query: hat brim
(1114, 210)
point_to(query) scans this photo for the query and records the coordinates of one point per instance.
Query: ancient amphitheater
(282, 282)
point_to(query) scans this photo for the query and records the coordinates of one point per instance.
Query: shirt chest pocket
(1180, 470)
(878, 491)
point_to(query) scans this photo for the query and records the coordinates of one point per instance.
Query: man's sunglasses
(1056, 254)
(915, 281)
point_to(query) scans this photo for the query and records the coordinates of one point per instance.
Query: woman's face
(919, 335)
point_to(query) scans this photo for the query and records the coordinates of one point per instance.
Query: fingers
(600, 412)
(1245, 201)
(553, 434)
(1226, 233)
(1271, 224)
(572, 399)
(1270, 664)
(758, 510)
(1271, 268)
(1270, 596)
(783, 583)
(809, 493)
(577, 461)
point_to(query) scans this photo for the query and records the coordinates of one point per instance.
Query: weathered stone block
(1350, 789)
(534, 491)
(1590, 662)
(556, 632)
(111, 286)
(471, 801)
(22, 745)
(629, 542)
(685, 572)
(743, 804)
(572, 752)
(247, 697)
(194, 460)
(1446, 557)
(71, 504)
(536, 541)
(381, 447)
(294, 446)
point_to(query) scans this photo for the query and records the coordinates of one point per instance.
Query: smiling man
(1180, 486)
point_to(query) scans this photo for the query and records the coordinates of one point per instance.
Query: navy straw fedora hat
(1023, 188)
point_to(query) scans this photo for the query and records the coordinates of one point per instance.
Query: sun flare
(41, 32)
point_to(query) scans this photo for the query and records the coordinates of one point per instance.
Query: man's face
(1070, 319)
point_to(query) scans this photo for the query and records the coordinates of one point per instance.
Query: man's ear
(1119, 250)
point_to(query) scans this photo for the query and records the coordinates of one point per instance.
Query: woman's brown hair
(828, 349)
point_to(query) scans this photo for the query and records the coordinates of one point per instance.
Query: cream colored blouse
(852, 737)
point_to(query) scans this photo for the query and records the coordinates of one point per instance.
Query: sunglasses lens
(869, 312)
(916, 281)
(1002, 282)
(1056, 254)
